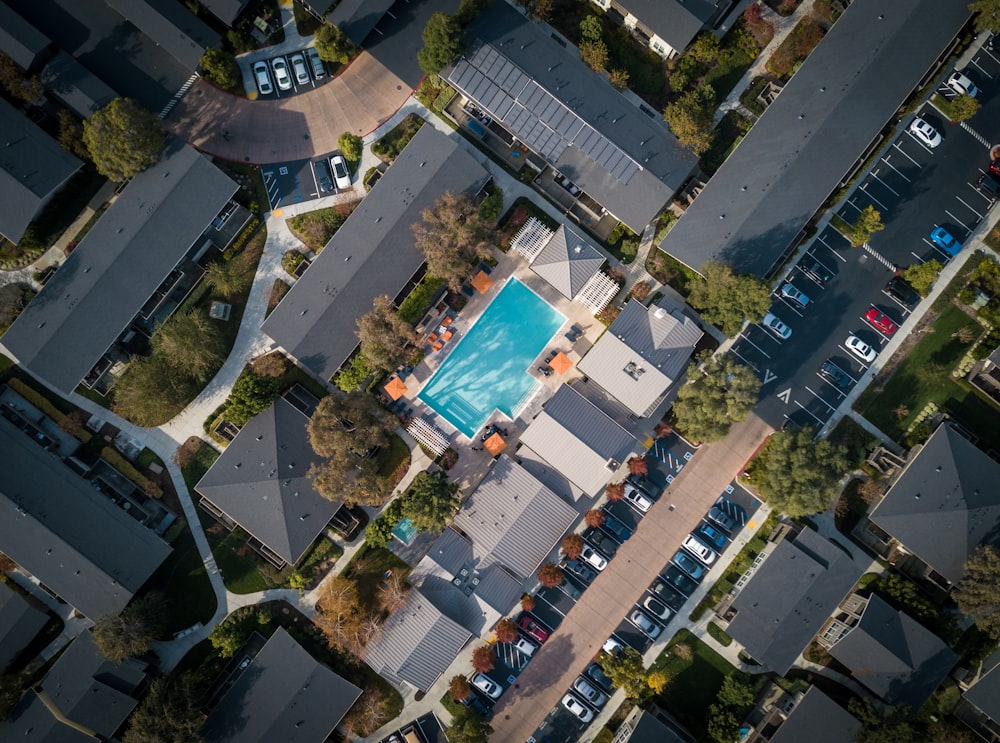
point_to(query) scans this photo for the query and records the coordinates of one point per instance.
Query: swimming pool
(487, 370)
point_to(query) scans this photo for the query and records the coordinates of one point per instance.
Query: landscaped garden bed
(394, 140)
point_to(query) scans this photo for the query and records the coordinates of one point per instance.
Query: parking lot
(299, 181)
(285, 75)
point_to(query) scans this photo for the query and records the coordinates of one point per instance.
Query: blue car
(689, 565)
(946, 241)
(711, 536)
(615, 528)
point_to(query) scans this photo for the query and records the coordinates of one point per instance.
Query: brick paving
(295, 128)
(538, 690)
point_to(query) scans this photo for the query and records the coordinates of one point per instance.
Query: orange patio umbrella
(495, 444)
(561, 363)
(482, 282)
(395, 388)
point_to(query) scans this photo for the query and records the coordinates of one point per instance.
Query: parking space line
(813, 256)
(745, 361)
(743, 336)
(850, 202)
(967, 206)
(875, 175)
(862, 188)
(967, 229)
(806, 410)
(814, 394)
(903, 153)
(840, 393)
(787, 304)
(917, 257)
(921, 144)
(903, 307)
(978, 67)
(850, 355)
(898, 172)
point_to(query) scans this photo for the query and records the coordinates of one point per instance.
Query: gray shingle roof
(172, 26)
(817, 719)
(944, 504)
(417, 643)
(79, 89)
(104, 283)
(72, 538)
(19, 623)
(629, 162)
(579, 440)
(648, 729)
(677, 22)
(568, 261)
(357, 18)
(985, 693)
(283, 695)
(790, 596)
(225, 10)
(19, 40)
(261, 481)
(894, 656)
(659, 340)
(373, 253)
(32, 168)
(804, 144)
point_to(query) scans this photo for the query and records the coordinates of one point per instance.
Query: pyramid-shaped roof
(568, 261)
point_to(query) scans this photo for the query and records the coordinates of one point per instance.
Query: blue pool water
(405, 531)
(487, 370)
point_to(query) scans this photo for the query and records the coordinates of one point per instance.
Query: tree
(17, 84)
(454, 237)
(627, 673)
(123, 138)
(638, 466)
(469, 10)
(459, 688)
(251, 394)
(737, 692)
(715, 396)
(442, 43)
(550, 575)
(591, 28)
(169, 713)
(484, 659)
(868, 223)
(657, 681)
(14, 298)
(962, 107)
(988, 15)
(615, 491)
(467, 727)
(332, 44)
(384, 335)
(228, 637)
(431, 502)
(572, 545)
(527, 602)
(618, 78)
(726, 299)
(151, 392)
(797, 474)
(692, 118)
(344, 477)
(594, 54)
(352, 377)
(220, 68)
(506, 630)
(193, 344)
(12, 686)
(368, 713)
(130, 632)
(392, 594)
(723, 725)
(71, 135)
(228, 278)
(352, 422)
(351, 147)
(594, 517)
(341, 616)
(921, 276)
(978, 593)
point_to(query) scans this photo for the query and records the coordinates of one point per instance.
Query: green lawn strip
(719, 635)
(194, 470)
(729, 132)
(367, 569)
(241, 573)
(183, 579)
(392, 458)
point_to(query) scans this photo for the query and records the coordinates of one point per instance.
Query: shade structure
(561, 363)
(395, 388)
(495, 444)
(482, 282)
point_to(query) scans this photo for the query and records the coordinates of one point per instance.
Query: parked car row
(486, 689)
(297, 65)
(335, 165)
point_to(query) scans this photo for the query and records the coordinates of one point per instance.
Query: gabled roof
(643, 353)
(72, 538)
(643, 727)
(944, 504)
(579, 440)
(32, 167)
(357, 18)
(568, 261)
(283, 695)
(798, 152)
(789, 597)
(628, 161)
(104, 283)
(985, 692)
(894, 656)
(373, 253)
(817, 719)
(417, 643)
(225, 10)
(79, 89)
(19, 40)
(19, 623)
(261, 481)
(677, 22)
(172, 26)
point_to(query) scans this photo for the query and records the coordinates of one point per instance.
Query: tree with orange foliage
(550, 575)
(484, 659)
(615, 490)
(506, 630)
(638, 466)
(572, 546)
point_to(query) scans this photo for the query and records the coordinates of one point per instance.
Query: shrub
(484, 659)
(550, 575)
(594, 517)
(615, 491)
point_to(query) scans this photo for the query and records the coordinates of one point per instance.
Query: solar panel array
(532, 114)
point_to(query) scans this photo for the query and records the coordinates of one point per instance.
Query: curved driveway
(295, 128)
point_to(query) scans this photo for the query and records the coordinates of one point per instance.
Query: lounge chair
(438, 345)
(448, 321)
(468, 291)
(571, 337)
(447, 335)
(576, 329)
(432, 337)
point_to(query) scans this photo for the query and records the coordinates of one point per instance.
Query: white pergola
(531, 238)
(428, 435)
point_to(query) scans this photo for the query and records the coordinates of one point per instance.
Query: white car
(341, 175)
(281, 76)
(596, 697)
(487, 686)
(925, 133)
(575, 706)
(641, 620)
(701, 551)
(860, 349)
(594, 558)
(637, 499)
(793, 295)
(263, 78)
(772, 323)
(612, 646)
(526, 646)
(962, 85)
(299, 68)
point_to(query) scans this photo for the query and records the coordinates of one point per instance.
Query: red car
(881, 321)
(533, 629)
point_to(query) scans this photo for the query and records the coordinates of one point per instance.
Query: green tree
(737, 692)
(978, 593)
(454, 237)
(130, 632)
(868, 223)
(123, 139)
(151, 391)
(348, 422)
(594, 54)
(13, 299)
(169, 713)
(352, 377)
(704, 49)
(384, 335)
(962, 107)
(332, 44)
(431, 501)
(692, 118)
(220, 68)
(469, 10)
(193, 344)
(467, 727)
(71, 135)
(921, 276)
(797, 474)
(12, 686)
(627, 673)
(351, 147)
(251, 394)
(442, 43)
(618, 78)
(988, 15)
(723, 724)
(228, 279)
(719, 393)
(726, 299)
(591, 28)
(18, 85)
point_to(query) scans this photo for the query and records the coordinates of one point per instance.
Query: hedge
(418, 301)
(44, 405)
(242, 239)
(116, 460)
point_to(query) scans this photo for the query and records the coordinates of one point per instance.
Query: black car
(646, 485)
(816, 271)
(601, 541)
(835, 375)
(323, 176)
(615, 528)
(579, 570)
(668, 594)
(677, 578)
(571, 589)
(902, 292)
(989, 185)
(596, 674)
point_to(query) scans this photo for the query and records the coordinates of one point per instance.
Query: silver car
(341, 175)
(263, 78)
(594, 696)
(776, 326)
(641, 620)
(299, 68)
(281, 76)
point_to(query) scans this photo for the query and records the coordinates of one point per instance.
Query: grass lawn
(394, 140)
(728, 134)
(925, 376)
(243, 570)
(367, 569)
(391, 461)
(182, 578)
(315, 228)
(194, 470)
(694, 683)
